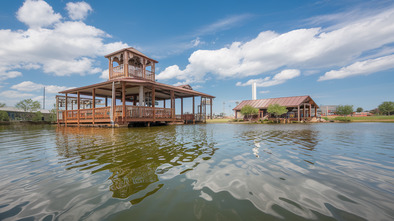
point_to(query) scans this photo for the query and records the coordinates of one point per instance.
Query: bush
(4, 116)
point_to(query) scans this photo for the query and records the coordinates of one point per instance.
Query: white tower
(254, 91)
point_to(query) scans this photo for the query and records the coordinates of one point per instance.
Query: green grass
(373, 118)
(213, 121)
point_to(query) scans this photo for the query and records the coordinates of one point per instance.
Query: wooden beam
(110, 68)
(153, 103)
(94, 105)
(135, 100)
(106, 101)
(194, 115)
(124, 100)
(78, 106)
(181, 108)
(210, 99)
(164, 103)
(298, 110)
(65, 117)
(172, 105)
(125, 64)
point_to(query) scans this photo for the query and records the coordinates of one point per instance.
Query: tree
(28, 105)
(277, 110)
(2, 104)
(37, 116)
(4, 116)
(344, 110)
(249, 111)
(386, 107)
(359, 109)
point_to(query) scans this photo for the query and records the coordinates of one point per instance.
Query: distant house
(327, 110)
(299, 107)
(19, 114)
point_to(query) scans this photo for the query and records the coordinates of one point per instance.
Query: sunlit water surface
(198, 172)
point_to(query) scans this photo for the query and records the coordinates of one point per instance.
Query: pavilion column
(210, 101)
(200, 118)
(57, 110)
(106, 101)
(141, 96)
(126, 63)
(94, 105)
(194, 115)
(113, 103)
(182, 108)
(153, 103)
(123, 100)
(135, 100)
(298, 112)
(315, 111)
(65, 116)
(78, 106)
(164, 103)
(310, 110)
(110, 67)
(172, 105)
(303, 112)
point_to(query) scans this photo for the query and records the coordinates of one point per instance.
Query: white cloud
(68, 47)
(264, 92)
(11, 94)
(361, 68)
(5, 74)
(105, 74)
(78, 10)
(28, 86)
(310, 48)
(37, 14)
(279, 78)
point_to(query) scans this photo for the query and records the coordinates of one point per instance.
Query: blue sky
(339, 52)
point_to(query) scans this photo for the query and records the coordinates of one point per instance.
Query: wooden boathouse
(131, 95)
(299, 107)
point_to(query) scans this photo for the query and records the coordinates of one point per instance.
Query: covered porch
(119, 102)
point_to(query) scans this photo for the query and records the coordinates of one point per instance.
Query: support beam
(194, 115)
(172, 105)
(153, 103)
(123, 100)
(57, 110)
(111, 68)
(303, 111)
(106, 101)
(126, 63)
(79, 106)
(182, 108)
(210, 101)
(135, 100)
(310, 110)
(315, 111)
(65, 116)
(298, 112)
(112, 114)
(164, 103)
(141, 96)
(94, 105)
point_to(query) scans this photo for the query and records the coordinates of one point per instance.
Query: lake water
(198, 172)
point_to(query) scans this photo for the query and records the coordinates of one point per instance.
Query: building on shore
(300, 108)
(131, 95)
(16, 114)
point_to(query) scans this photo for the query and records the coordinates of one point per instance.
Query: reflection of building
(299, 107)
(134, 96)
(19, 114)
(327, 110)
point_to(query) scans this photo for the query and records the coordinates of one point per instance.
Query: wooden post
(164, 103)
(65, 117)
(194, 121)
(106, 101)
(182, 108)
(57, 110)
(126, 63)
(315, 111)
(310, 110)
(135, 100)
(153, 103)
(94, 105)
(200, 108)
(111, 68)
(303, 113)
(298, 114)
(78, 106)
(123, 100)
(211, 107)
(172, 105)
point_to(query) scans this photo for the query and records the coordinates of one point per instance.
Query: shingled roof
(283, 101)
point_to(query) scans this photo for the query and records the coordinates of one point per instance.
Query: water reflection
(135, 157)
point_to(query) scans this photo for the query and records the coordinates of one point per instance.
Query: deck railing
(134, 72)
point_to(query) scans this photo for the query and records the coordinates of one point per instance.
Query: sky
(338, 52)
